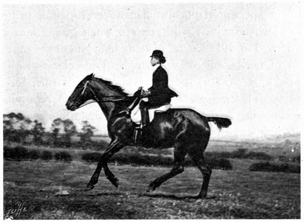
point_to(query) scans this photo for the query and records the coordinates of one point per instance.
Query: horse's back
(189, 115)
(178, 125)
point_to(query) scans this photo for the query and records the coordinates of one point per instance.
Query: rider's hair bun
(162, 59)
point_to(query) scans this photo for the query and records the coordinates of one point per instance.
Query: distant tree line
(19, 128)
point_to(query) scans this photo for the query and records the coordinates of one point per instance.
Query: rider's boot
(144, 116)
(144, 122)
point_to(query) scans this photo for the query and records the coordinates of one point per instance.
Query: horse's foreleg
(110, 176)
(108, 153)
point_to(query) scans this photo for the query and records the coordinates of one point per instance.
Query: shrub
(283, 159)
(63, 156)
(240, 154)
(33, 154)
(258, 156)
(155, 160)
(20, 153)
(222, 164)
(46, 155)
(120, 158)
(145, 160)
(91, 157)
(218, 155)
(17, 153)
(134, 159)
(214, 163)
(7, 152)
(274, 167)
(166, 161)
(296, 159)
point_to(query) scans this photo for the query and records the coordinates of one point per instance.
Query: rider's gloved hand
(138, 93)
(146, 93)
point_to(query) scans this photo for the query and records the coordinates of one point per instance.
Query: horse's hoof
(115, 182)
(150, 189)
(89, 187)
(200, 196)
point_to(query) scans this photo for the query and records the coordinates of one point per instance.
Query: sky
(238, 60)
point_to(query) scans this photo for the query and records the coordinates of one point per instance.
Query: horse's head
(92, 89)
(81, 96)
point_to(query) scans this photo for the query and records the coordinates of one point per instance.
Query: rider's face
(154, 61)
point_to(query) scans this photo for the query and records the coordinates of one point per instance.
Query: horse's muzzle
(71, 106)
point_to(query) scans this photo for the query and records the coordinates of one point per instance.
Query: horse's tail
(220, 122)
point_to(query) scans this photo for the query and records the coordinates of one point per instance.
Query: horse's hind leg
(198, 158)
(179, 158)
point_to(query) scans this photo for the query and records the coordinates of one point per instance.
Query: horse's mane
(115, 88)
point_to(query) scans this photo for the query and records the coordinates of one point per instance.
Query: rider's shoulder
(160, 69)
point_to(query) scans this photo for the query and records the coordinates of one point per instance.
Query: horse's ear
(91, 76)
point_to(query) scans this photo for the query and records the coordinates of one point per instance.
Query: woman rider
(159, 93)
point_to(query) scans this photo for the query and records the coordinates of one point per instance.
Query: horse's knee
(210, 170)
(207, 171)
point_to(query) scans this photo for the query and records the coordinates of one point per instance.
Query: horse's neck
(106, 107)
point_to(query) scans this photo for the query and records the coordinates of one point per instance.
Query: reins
(115, 98)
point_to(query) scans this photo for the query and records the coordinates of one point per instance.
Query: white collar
(156, 66)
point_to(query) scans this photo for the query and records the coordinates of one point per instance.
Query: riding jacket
(160, 93)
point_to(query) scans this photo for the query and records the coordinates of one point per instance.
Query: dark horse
(184, 129)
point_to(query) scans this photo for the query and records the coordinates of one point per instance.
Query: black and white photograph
(151, 110)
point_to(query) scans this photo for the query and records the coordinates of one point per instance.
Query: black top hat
(159, 54)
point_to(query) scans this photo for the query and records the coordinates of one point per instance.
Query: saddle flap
(136, 116)
(163, 108)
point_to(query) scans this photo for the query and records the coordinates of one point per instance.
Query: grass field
(55, 190)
